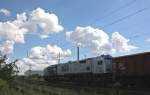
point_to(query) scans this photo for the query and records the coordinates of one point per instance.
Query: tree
(7, 70)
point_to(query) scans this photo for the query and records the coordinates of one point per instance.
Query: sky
(37, 32)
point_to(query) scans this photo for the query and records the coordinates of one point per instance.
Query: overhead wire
(117, 10)
(124, 18)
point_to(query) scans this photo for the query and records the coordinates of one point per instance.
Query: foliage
(7, 69)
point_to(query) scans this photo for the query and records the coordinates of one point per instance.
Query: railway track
(69, 85)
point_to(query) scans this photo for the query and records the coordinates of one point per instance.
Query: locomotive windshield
(108, 58)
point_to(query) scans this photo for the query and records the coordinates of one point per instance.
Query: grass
(22, 87)
(36, 89)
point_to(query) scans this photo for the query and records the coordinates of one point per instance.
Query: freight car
(129, 70)
(132, 69)
(91, 70)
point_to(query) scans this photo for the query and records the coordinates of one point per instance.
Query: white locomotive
(87, 68)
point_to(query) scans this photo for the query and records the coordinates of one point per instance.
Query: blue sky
(95, 13)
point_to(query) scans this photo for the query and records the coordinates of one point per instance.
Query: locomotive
(103, 70)
(85, 70)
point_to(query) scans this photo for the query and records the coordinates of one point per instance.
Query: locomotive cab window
(100, 62)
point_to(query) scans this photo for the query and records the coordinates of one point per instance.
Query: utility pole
(85, 56)
(30, 66)
(1, 58)
(58, 58)
(78, 53)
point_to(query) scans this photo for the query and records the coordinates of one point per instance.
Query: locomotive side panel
(62, 69)
(76, 68)
(96, 65)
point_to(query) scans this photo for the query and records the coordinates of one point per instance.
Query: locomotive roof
(83, 60)
(136, 54)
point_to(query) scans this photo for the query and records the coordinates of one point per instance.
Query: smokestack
(78, 52)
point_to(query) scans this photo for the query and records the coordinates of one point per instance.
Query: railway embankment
(40, 87)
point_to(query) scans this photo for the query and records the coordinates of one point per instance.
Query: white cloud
(41, 57)
(121, 43)
(55, 50)
(86, 35)
(37, 22)
(38, 53)
(48, 52)
(10, 31)
(7, 47)
(98, 41)
(148, 40)
(92, 38)
(21, 20)
(5, 11)
(43, 23)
